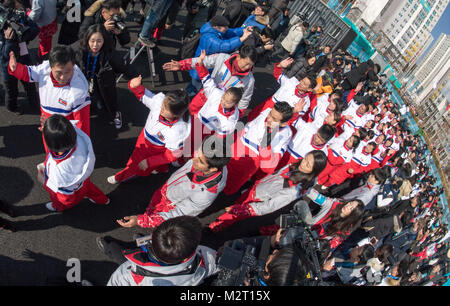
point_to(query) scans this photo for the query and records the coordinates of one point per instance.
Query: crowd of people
(329, 142)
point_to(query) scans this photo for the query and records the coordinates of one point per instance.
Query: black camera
(119, 23)
(306, 241)
(12, 18)
(239, 264)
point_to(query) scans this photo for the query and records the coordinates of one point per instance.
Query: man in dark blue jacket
(10, 41)
(217, 38)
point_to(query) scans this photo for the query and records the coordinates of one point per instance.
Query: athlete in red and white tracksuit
(66, 176)
(249, 155)
(140, 270)
(357, 121)
(360, 160)
(187, 192)
(302, 143)
(321, 110)
(379, 157)
(70, 100)
(212, 118)
(266, 196)
(226, 74)
(339, 153)
(288, 92)
(160, 142)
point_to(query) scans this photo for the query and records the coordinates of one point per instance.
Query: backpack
(190, 45)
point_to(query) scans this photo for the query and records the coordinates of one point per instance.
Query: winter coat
(279, 24)
(213, 41)
(382, 226)
(255, 41)
(256, 21)
(401, 241)
(109, 64)
(293, 38)
(299, 69)
(360, 74)
(238, 10)
(68, 33)
(140, 270)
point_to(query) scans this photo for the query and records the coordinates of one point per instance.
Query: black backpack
(190, 45)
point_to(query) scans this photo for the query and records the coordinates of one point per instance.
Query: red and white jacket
(212, 115)
(66, 174)
(358, 120)
(225, 75)
(70, 100)
(302, 142)
(140, 270)
(159, 132)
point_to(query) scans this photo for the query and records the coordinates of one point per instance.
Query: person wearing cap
(217, 37)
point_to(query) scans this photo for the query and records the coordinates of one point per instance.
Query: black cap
(219, 21)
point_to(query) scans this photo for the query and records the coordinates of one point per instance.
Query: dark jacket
(254, 41)
(382, 226)
(401, 242)
(361, 73)
(238, 10)
(299, 68)
(97, 18)
(109, 64)
(279, 24)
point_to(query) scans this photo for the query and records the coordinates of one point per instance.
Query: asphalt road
(38, 252)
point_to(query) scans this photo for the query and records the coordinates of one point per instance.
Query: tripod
(133, 57)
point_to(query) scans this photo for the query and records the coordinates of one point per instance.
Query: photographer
(172, 256)
(291, 257)
(11, 41)
(109, 14)
(261, 40)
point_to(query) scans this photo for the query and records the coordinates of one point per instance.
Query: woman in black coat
(100, 63)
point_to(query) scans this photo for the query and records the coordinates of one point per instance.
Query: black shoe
(6, 225)
(4, 207)
(16, 110)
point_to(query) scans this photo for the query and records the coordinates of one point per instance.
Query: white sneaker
(118, 120)
(112, 180)
(50, 207)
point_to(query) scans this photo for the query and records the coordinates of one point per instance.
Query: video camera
(238, 263)
(13, 18)
(306, 241)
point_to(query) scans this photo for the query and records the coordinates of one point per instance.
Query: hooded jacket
(214, 41)
(139, 270)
